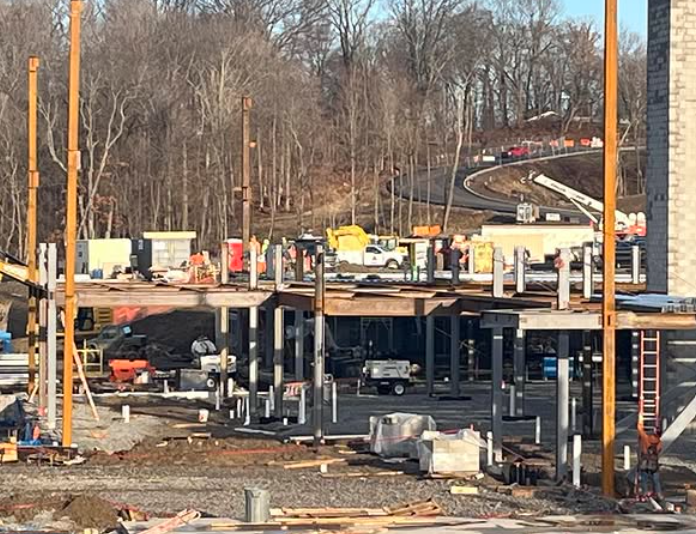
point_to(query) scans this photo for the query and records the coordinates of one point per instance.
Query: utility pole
(611, 67)
(246, 174)
(71, 217)
(31, 222)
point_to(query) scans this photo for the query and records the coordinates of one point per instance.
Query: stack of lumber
(419, 513)
(343, 520)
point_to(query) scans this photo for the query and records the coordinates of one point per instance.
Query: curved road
(465, 197)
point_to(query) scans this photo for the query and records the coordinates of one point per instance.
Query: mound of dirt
(90, 512)
(176, 330)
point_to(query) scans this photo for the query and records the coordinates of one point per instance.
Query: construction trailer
(99, 258)
(161, 251)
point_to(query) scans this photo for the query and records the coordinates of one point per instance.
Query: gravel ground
(218, 491)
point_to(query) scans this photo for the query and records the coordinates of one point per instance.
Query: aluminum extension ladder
(649, 400)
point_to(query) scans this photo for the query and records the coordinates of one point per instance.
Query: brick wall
(671, 171)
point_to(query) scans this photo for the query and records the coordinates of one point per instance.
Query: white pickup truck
(372, 256)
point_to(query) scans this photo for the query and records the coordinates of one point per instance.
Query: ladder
(649, 400)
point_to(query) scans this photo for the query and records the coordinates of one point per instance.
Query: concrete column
(497, 392)
(635, 363)
(299, 345)
(587, 271)
(563, 286)
(562, 404)
(470, 351)
(587, 386)
(498, 272)
(455, 353)
(51, 335)
(430, 353)
(224, 320)
(278, 359)
(520, 365)
(43, 316)
(520, 269)
(253, 359)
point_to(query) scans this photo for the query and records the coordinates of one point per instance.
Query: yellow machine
(348, 238)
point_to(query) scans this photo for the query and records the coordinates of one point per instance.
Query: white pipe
(302, 408)
(125, 413)
(537, 430)
(489, 448)
(573, 414)
(334, 403)
(627, 458)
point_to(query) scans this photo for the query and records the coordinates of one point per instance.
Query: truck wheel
(398, 389)
(383, 390)
(392, 264)
(211, 383)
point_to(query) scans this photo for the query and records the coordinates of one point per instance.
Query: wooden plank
(363, 474)
(313, 463)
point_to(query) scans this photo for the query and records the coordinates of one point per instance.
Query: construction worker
(649, 460)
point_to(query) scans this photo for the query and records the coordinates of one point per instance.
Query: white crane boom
(583, 202)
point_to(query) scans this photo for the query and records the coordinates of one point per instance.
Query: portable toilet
(235, 246)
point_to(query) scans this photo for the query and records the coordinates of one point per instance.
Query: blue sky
(633, 14)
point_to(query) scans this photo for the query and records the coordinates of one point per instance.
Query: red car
(518, 152)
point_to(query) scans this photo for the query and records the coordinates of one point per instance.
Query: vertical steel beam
(497, 392)
(587, 386)
(246, 173)
(299, 345)
(51, 335)
(519, 365)
(562, 404)
(319, 333)
(430, 353)
(520, 269)
(470, 351)
(587, 271)
(71, 218)
(43, 316)
(253, 359)
(455, 355)
(635, 264)
(498, 272)
(635, 364)
(278, 359)
(224, 318)
(611, 78)
(563, 286)
(33, 184)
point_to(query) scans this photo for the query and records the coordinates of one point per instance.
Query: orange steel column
(611, 64)
(33, 184)
(71, 217)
